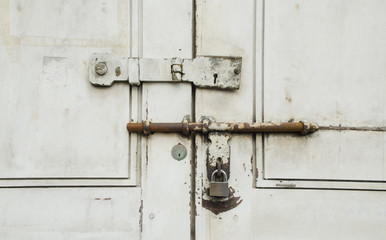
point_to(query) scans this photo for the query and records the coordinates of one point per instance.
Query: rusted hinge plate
(203, 71)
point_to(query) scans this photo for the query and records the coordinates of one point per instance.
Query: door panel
(69, 213)
(55, 124)
(331, 66)
(309, 214)
(223, 34)
(166, 193)
(167, 29)
(314, 60)
(324, 61)
(321, 59)
(226, 28)
(342, 155)
(165, 180)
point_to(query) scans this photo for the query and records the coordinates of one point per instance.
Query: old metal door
(314, 60)
(70, 170)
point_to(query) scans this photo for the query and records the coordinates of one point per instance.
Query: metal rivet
(237, 71)
(179, 152)
(101, 68)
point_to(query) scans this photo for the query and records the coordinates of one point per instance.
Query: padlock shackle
(225, 179)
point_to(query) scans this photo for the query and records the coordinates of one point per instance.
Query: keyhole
(215, 78)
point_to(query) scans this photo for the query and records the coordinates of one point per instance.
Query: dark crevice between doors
(193, 159)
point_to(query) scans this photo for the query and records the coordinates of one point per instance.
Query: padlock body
(218, 189)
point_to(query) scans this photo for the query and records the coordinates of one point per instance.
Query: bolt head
(237, 71)
(101, 68)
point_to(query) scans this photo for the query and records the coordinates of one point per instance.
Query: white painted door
(70, 170)
(315, 60)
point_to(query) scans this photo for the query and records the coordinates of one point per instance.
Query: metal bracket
(218, 152)
(203, 71)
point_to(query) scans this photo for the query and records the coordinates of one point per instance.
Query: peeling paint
(219, 206)
(140, 210)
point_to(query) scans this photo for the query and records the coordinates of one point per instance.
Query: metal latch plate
(203, 71)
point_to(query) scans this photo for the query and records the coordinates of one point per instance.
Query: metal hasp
(203, 71)
(185, 127)
(218, 155)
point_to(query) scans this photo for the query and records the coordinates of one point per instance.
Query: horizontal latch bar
(203, 71)
(186, 127)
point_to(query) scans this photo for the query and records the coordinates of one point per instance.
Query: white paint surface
(165, 181)
(321, 53)
(315, 60)
(69, 213)
(325, 61)
(88, 19)
(327, 64)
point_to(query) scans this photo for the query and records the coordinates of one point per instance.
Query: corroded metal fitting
(146, 127)
(309, 127)
(205, 125)
(185, 126)
(101, 68)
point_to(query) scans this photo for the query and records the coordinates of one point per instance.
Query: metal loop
(218, 166)
(222, 172)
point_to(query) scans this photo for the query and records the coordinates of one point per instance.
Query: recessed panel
(324, 61)
(54, 123)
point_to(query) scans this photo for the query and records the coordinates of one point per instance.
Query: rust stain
(117, 71)
(147, 154)
(140, 210)
(288, 99)
(286, 127)
(348, 128)
(297, 6)
(217, 206)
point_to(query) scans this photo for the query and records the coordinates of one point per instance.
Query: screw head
(237, 71)
(101, 68)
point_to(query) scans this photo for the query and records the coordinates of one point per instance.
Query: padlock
(219, 189)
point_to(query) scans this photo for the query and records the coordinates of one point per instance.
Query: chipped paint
(204, 71)
(302, 127)
(218, 205)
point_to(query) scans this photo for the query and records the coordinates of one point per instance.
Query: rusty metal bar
(186, 127)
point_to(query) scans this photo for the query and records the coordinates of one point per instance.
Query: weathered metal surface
(218, 149)
(105, 68)
(216, 72)
(47, 213)
(218, 153)
(352, 128)
(165, 182)
(133, 65)
(348, 151)
(203, 71)
(219, 188)
(288, 127)
(179, 152)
